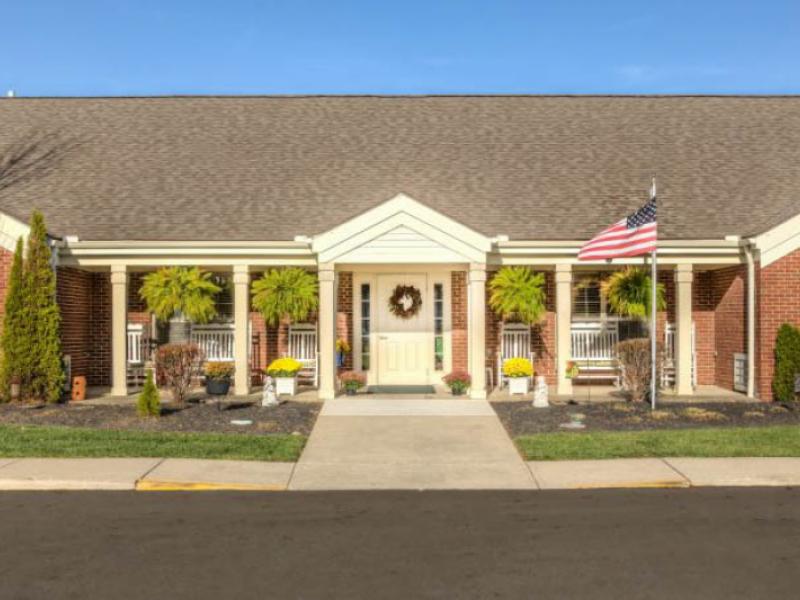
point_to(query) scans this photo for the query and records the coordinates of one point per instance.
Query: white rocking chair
(303, 348)
(515, 343)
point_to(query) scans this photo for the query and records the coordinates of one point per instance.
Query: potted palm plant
(517, 295)
(218, 377)
(285, 296)
(284, 371)
(180, 296)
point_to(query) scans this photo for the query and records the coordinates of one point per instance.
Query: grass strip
(21, 441)
(718, 442)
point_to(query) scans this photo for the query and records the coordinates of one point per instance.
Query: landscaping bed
(520, 418)
(290, 418)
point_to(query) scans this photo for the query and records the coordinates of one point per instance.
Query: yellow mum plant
(284, 367)
(517, 367)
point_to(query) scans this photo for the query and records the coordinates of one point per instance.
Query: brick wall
(703, 315)
(458, 320)
(74, 296)
(6, 258)
(730, 313)
(778, 302)
(99, 372)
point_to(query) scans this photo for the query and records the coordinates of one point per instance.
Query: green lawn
(751, 441)
(27, 441)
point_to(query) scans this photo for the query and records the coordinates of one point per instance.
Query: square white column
(119, 330)
(241, 320)
(563, 328)
(683, 330)
(327, 332)
(477, 329)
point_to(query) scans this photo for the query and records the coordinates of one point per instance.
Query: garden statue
(268, 397)
(540, 393)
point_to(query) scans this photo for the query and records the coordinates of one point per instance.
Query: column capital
(119, 274)
(326, 272)
(563, 273)
(241, 274)
(477, 272)
(684, 273)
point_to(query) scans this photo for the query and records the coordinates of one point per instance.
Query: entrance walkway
(375, 443)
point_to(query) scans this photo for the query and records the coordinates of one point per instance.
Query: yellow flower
(284, 367)
(517, 367)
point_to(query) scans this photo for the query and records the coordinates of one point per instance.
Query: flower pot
(350, 391)
(286, 385)
(457, 391)
(218, 387)
(518, 385)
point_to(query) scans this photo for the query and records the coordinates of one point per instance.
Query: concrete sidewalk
(153, 474)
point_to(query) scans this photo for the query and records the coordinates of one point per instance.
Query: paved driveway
(409, 444)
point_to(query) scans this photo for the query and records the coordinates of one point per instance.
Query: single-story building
(431, 192)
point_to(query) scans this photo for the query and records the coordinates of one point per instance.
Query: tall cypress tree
(45, 380)
(15, 326)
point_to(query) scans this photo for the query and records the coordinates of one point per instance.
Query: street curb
(633, 485)
(205, 486)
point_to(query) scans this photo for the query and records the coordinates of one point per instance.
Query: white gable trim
(779, 241)
(11, 230)
(447, 240)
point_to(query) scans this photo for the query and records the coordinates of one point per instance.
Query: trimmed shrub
(15, 327)
(149, 403)
(787, 362)
(634, 358)
(176, 363)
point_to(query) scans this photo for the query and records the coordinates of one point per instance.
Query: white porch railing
(136, 340)
(594, 340)
(215, 340)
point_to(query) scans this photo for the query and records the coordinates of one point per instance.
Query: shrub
(284, 367)
(458, 381)
(517, 367)
(218, 371)
(787, 362)
(176, 364)
(149, 403)
(353, 380)
(15, 327)
(634, 358)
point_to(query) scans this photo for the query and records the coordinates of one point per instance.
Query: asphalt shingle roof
(531, 167)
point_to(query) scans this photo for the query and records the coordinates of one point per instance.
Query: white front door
(404, 345)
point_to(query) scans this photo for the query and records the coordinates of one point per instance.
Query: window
(586, 298)
(365, 326)
(224, 300)
(438, 326)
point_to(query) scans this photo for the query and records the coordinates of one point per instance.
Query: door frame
(368, 274)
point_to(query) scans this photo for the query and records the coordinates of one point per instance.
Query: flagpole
(653, 318)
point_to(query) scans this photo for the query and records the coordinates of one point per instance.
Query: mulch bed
(520, 418)
(288, 418)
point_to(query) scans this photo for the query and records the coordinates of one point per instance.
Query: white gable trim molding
(11, 230)
(401, 230)
(779, 241)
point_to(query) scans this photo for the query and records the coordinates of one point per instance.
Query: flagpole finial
(653, 187)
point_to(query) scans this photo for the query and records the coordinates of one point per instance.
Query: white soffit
(779, 241)
(401, 230)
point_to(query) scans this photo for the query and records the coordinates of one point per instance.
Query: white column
(477, 329)
(683, 330)
(563, 327)
(327, 333)
(119, 330)
(241, 337)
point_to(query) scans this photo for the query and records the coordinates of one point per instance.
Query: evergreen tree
(15, 326)
(149, 403)
(787, 362)
(45, 380)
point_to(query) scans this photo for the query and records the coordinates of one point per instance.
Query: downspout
(751, 319)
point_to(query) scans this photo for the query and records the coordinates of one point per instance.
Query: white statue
(540, 393)
(268, 397)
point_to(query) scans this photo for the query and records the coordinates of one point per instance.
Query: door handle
(383, 337)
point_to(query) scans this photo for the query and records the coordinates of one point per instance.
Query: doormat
(401, 389)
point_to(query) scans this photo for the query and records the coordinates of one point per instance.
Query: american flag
(634, 235)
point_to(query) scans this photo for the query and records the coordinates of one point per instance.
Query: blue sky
(148, 47)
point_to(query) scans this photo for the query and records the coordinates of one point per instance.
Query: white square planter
(286, 386)
(518, 385)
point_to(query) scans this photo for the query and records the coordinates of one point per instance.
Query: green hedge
(787, 362)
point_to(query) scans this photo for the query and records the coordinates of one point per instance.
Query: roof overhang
(779, 241)
(401, 230)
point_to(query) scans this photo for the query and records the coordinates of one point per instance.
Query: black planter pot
(218, 387)
(350, 391)
(457, 391)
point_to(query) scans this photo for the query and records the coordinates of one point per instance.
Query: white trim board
(779, 241)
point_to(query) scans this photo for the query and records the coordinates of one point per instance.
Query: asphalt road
(696, 543)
